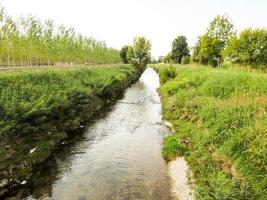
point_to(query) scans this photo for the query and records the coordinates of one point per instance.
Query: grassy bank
(221, 128)
(40, 108)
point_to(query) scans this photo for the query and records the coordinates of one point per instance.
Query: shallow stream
(119, 155)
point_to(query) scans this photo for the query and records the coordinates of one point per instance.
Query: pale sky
(119, 21)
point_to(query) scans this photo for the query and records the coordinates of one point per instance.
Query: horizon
(159, 21)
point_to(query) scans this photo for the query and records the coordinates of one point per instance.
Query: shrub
(249, 48)
(167, 74)
(173, 147)
(186, 60)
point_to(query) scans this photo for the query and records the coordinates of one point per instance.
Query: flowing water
(118, 157)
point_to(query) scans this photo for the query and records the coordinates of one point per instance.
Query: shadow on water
(118, 155)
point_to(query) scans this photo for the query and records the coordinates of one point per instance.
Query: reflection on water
(119, 156)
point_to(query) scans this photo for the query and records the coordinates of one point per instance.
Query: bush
(173, 147)
(167, 74)
(250, 48)
(186, 60)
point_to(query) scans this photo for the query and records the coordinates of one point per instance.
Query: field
(220, 122)
(40, 108)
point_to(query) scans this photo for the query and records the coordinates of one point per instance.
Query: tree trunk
(8, 57)
(20, 59)
(30, 60)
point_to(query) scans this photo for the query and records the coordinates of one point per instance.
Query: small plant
(168, 73)
(186, 60)
(173, 147)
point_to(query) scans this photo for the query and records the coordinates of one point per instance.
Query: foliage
(221, 28)
(173, 147)
(210, 52)
(186, 60)
(40, 108)
(123, 54)
(139, 54)
(250, 48)
(130, 54)
(179, 49)
(142, 48)
(196, 56)
(29, 41)
(161, 59)
(167, 58)
(167, 73)
(210, 46)
(224, 123)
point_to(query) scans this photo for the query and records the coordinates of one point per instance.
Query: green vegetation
(42, 107)
(123, 54)
(180, 52)
(29, 41)
(208, 50)
(220, 122)
(250, 48)
(139, 54)
(180, 49)
(186, 60)
(221, 45)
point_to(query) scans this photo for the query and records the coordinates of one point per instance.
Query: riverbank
(180, 175)
(219, 117)
(118, 155)
(41, 108)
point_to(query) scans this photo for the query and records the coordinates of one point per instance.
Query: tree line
(28, 41)
(221, 43)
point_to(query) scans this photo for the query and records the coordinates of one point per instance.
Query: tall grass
(222, 115)
(40, 108)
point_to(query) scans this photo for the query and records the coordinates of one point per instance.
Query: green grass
(39, 108)
(222, 115)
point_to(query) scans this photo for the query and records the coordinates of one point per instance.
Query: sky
(118, 21)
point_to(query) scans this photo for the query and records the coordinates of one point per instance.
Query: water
(119, 155)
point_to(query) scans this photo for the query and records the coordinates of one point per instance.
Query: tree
(130, 54)
(210, 50)
(250, 48)
(141, 51)
(167, 58)
(48, 40)
(179, 49)
(30, 41)
(160, 59)
(211, 45)
(139, 54)
(196, 56)
(221, 28)
(123, 54)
